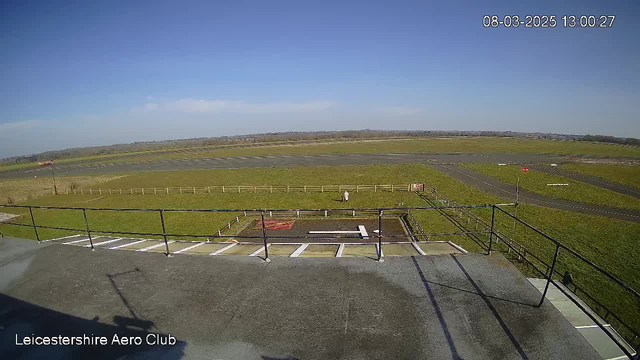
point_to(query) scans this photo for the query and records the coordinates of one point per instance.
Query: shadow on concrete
(20, 319)
(436, 307)
(493, 310)
(134, 321)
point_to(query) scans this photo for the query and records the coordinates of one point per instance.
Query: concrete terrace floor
(468, 306)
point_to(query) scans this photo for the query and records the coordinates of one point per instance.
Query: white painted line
(125, 245)
(363, 232)
(189, 248)
(223, 249)
(340, 250)
(155, 246)
(625, 357)
(255, 253)
(299, 250)
(591, 326)
(457, 247)
(104, 242)
(75, 241)
(64, 237)
(334, 232)
(418, 249)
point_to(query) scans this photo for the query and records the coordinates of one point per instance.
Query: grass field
(604, 240)
(430, 145)
(19, 190)
(536, 181)
(624, 174)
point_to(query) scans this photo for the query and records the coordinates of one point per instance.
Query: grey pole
(264, 237)
(33, 222)
(86, 223)
(493, 217)
(550, 277)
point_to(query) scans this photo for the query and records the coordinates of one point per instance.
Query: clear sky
(82, 73)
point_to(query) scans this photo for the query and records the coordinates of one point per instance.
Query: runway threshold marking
(223, 249)
(340, 250)
(104, 242)
(189, 248)
(299, 250)
(75, 241)
(255, 253)
(125, 245)
(154, 246)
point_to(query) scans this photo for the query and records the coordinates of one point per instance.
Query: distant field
(536, 181)
(429, 145)
(624, 174)
(19, 190)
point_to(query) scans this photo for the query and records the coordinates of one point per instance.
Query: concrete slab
(320, 251)
(438, 248)
(359, 250)
(399, 250)
(239, 307)
(281, 250)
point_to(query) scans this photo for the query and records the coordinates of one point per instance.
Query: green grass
(429, 145)
(624, 174)
(536, 181)
(611, 243)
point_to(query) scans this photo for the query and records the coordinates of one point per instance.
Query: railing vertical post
(380, 259)
(493, 218)
(164, 233)
(264, 237)
(86, 223)
(550, 277)
(33, 222)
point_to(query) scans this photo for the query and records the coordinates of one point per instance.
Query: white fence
(250, 189)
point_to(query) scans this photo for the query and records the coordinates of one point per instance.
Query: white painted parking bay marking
(363, 232)
(125, 245)
(104, 242)
(75, 241)
(340, 250)
(189, 248)
(155, 246)
(223, 249)
(299, 250)
(64, 237)
(255, 253)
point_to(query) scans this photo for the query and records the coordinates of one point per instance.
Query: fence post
(237, 219)
(209, 189)
(325, 213)
(272, 189)
(493, 217)
(181, 190)
(142, 191)
(155, 191)
(100, 191)
(194, 189)
(305, 188)
(164, 233)
(375, 188)
(86, 223)
(167, 191)
(238, 189)
(109, 191)
(391, 187)
(357, 188)
(321, 188)
(550, 277)
(223, 189)
(33, 222)
(90, 191)
(264, 237)
(380, 259)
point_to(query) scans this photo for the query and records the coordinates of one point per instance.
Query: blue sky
(83, 73)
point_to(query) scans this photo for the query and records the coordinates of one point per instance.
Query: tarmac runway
(279, 161)
(508, 191)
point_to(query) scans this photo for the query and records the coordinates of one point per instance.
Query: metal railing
(245, 189)
(494, 238)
